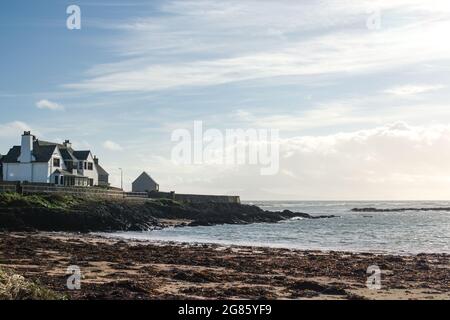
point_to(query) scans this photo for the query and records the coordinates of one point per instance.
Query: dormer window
(56, 162)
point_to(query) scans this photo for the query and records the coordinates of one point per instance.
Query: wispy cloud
(412, 90)
(13, 129)
(112, 146)
(49, 105)
(204, 43)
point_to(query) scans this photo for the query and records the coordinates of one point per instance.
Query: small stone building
(144, 183)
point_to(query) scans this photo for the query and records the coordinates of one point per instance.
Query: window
(91, 182)
(56, 162)
(85, 166)
(62, 180)
(90, 166)
(80, 165)
(56, 179)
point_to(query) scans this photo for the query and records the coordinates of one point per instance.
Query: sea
(404, 233)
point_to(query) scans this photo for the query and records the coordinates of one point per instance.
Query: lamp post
(121, 178)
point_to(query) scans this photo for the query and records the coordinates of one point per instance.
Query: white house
(39, 161)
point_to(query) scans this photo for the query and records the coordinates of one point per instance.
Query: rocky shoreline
(115, 269)
(76, 214)
(399, 209)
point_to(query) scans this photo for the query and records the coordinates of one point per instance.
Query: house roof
(67, 154)
(47, 143)
(82, 155)
(12, 155)
(146, 176)
(101, 171)
(40, 153)
(43, 151)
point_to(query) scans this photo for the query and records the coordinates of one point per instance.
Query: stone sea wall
(28, 188)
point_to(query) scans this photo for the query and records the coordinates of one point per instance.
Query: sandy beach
(115, 269)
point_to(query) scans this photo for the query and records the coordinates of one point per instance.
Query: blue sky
(362, 112)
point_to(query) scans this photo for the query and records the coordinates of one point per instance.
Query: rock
(400, 209)
(305, 288)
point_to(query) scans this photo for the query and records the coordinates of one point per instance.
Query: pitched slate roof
(101, 171)
(40, 153)
(66, 153)
(47, 143)
(145, 175)
(12, 155)
(43, 151)
(81, 155)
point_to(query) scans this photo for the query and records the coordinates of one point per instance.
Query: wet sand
(115, 269)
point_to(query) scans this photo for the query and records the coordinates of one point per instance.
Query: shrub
(16, 287)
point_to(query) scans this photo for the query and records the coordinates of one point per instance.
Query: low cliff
(76, 214)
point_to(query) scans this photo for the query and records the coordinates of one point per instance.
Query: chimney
(67, 144)
(26, 148)
(96, 160)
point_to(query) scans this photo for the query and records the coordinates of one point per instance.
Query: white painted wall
(31, 172)
(26, 149)
(56, 155)
(11, 172)
(41, 173)
(91, 174)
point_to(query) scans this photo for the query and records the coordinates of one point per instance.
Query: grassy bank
(57, 201)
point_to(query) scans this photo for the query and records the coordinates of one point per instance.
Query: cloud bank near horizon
(388, 162)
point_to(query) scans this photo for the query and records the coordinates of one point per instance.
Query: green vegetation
(55, 201)
(15, 287)
(166, 202)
